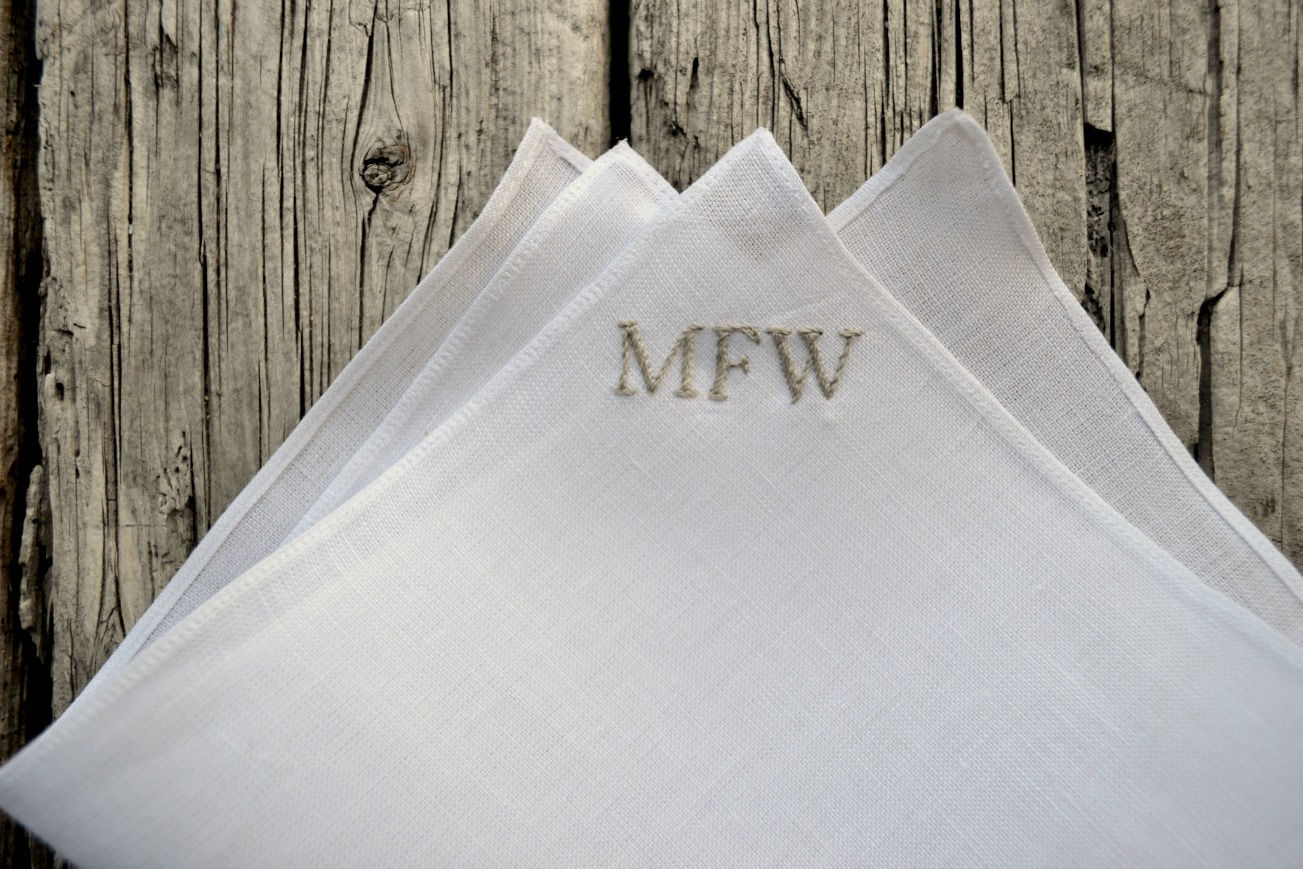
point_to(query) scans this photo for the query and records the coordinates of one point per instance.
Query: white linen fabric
(942, 227)
(799, 611)
(997, 305)
(579, 235)
(263, 514)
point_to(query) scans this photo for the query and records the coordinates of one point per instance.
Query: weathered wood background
(191, 250)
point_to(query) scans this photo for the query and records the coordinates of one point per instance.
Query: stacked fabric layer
(704, 528)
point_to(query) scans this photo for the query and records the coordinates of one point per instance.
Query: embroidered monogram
(633, 348)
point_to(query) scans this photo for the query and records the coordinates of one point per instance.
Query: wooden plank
(1170, 172)
(844, 84)
(1095, 32)
(705, 75)
(1251, 432)
(24, 634)
(234, 197)
(1208, 171)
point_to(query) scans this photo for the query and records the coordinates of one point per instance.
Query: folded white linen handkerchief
(263, 514)
(943, 229)
(800, 589)
(942, 223)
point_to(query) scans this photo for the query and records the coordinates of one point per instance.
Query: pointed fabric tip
(537, 132)
(752, 190)
(951, 122)
(540, 133)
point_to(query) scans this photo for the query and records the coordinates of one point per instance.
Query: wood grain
(225, 200)
(24, 632)
(234, 197)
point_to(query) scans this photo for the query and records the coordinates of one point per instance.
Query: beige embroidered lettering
(810, 337)
(685, 347)
(633, 348)
(723, 363)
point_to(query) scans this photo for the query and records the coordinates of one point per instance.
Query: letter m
(632, 348)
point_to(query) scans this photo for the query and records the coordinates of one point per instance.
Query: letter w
(632, 346)
(796, 379)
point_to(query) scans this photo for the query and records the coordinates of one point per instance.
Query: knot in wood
(385, 167)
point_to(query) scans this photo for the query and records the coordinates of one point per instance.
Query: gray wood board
(211, 206)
